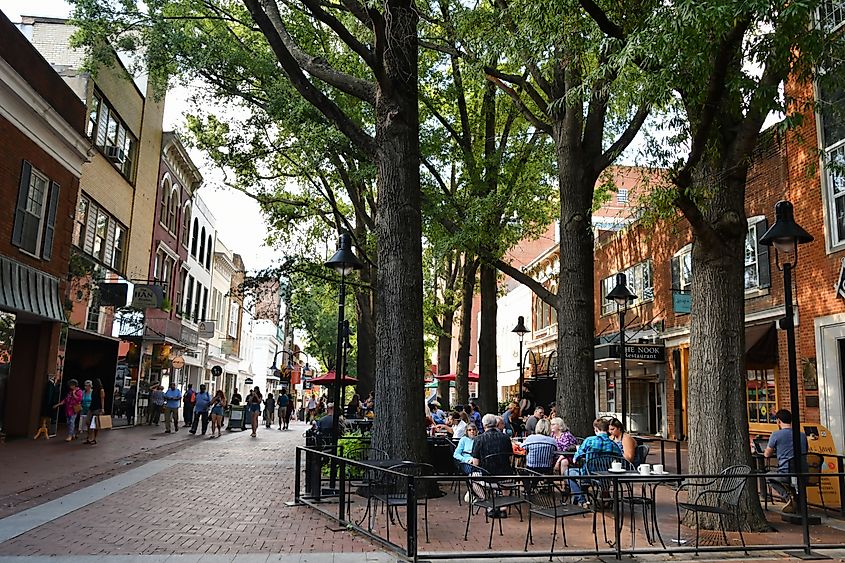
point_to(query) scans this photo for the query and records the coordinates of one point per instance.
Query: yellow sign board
(820, 441)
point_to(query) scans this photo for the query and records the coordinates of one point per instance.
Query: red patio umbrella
(330, 377)
(451, 376)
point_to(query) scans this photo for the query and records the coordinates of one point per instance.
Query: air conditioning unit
(115, 154)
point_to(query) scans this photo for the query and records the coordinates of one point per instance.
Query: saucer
(660, 473)
(620, 470)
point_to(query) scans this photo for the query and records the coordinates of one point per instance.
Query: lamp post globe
(521, 330)
(623, 297)
(785, 235)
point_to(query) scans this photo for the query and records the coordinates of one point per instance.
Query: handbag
(77, 408)
(104, 421)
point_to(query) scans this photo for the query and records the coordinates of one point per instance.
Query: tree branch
(527, 113)
(342, 32)
(608, 27)
(523, 82)
(700, 227)
(634, 126)
(518, 275)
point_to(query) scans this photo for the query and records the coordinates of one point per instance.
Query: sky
(240, 225)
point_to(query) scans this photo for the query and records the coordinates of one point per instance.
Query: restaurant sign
(645, 352)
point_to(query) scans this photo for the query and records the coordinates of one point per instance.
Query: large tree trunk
(444, 355)
(716, 388)
(576, 398)
(487, 368)
(464, 335)
(399, 287)
(366, 337)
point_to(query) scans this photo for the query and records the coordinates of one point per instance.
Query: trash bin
(237, 418)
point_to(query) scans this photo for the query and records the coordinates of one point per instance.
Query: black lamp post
(785, 235)
(520, 330)
(344, 262)
(622, 296)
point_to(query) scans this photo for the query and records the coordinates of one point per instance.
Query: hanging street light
(622, 296)
(785, 235)
(521, 331)
(344, 262)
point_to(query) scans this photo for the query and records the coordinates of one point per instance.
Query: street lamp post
(785, 235)
(344, 262)
(520, 330)
(622, 296)
(274, 369)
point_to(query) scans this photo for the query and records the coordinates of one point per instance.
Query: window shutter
(764, 268)
(50, 227)
(20, 211)
(675, 265)
(109, 256)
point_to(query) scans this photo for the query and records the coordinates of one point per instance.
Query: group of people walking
(83, 408)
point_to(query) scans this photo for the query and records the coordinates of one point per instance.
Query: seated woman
(463, 451)
(540, 447)
(565, 442)
(626, 441)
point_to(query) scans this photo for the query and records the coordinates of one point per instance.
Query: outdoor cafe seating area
(648, 509)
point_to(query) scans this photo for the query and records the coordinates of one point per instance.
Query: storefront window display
(761, 396)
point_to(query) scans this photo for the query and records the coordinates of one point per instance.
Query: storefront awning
(761, 345)
(27, 290)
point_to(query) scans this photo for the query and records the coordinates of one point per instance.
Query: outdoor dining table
(648, 482)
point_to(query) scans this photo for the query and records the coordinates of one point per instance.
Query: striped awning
(27, 290)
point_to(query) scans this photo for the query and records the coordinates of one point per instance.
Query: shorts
(254, 407)
(217, 411)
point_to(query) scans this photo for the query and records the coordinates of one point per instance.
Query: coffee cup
(658, 468)
(645, 469)
(616, 465)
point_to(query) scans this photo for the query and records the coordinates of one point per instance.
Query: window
(173, 212)
(208, 251)
(832, 124)
(681, 266)
(757, 274)
(198, 302)
(831, 14)
(35, 213)
(101, 229)
(233, 319)
(640, 280)
(194, 238)
(178, 275)
(622, 196)
(204, 304)
(108, 132)
(761, 396)
(119, 250)
(544, 314)
(189, 294)
(162, 207)
(611, 393)
(201, 255)
(79, 222)
(186, 224)
(92, 319)
(99, 235)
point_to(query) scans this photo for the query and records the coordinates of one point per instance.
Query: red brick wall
(15, 147)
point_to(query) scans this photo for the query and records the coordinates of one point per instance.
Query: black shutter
(763, 266)
(50, 227)
(20, 211)
(675, 265)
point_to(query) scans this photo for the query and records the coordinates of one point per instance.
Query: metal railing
(332, 499)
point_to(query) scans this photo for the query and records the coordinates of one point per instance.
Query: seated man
(490, 442)
(437, 414)
(531, 423)
(600, 444)
(780, 445)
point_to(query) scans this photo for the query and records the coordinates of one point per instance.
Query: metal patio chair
(485, 494)
(546, 498)
(718, 496)
(361, 478)
(392, 493)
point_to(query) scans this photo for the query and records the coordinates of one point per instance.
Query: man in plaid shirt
(600, 444)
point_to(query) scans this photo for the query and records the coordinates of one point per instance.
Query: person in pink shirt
(73, 406)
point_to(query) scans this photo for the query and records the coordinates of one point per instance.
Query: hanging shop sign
(147, 296)
(681, 302)
(205, 329)
(178, 362)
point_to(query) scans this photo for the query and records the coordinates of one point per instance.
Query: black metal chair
(641, 454)
(813, 467)
(501, 464)
(486, 494)
(358, 477)
(600, 489)
(547, 498)
(392, 492)
(718, 496)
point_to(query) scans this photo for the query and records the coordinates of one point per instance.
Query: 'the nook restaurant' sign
(637, 352)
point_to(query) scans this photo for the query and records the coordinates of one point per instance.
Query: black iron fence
(381, 500)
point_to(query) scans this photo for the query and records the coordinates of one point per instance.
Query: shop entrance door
(639, 406)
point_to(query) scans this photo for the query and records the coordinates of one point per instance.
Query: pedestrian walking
(312, 408)
(217, 406)
(269, 410)
(173, 399)
(290, 410)
(254, 402)
(98, 405)
(188, 400)
(236, 398)
(87, 393)
(129, 398)
(203, 401)
(283, 409)
(73, 406)
(157, 404)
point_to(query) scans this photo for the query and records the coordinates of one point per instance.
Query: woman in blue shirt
(463, 452)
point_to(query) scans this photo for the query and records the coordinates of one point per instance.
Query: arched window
(172, 221)
(165, 199)
(208, 253)
(194, 238)
(202, 246)
(186, 224)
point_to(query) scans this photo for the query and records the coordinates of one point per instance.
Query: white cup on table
(658, 469)
(616, 465)
(645, 469)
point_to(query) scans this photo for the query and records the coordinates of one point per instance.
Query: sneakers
(789, 507)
